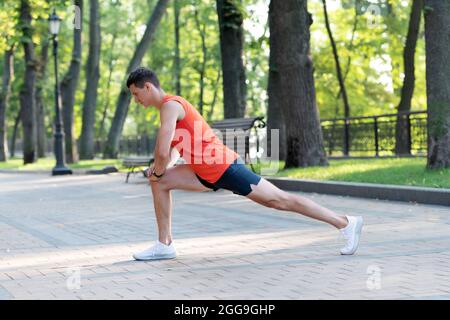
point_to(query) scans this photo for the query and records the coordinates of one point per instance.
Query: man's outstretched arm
(168, 117)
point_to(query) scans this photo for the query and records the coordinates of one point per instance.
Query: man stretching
(210, 165)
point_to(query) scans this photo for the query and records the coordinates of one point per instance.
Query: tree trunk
(27, 93)
(231, 45)
(343, 91)
(402, 132)
(293, 80)
(350, 48)
(87, 144)
(437, 35)
(337, 63)
(123, 102)
(177, 61)
(214, 100)
(14, 134)
(40, 107)
(331, 141)
(275, 120)
(68, 89)
(202, 69)
(8, 71)
(108, 87)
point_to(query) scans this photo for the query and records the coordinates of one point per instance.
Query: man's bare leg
(178, 177)
(267, 194)
(162, 202)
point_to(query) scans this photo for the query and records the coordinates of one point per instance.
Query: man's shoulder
(174, 106)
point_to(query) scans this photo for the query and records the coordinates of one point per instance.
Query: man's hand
(152, 175)
(149, 170)
(152, 178)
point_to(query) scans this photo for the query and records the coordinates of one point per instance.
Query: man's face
(142, 96)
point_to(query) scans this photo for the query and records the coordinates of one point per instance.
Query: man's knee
(280, 202)
(161, 185)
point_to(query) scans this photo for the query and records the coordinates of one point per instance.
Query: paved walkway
(73, 237)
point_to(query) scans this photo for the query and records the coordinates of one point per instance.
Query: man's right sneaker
(352, 233)
(159, 251)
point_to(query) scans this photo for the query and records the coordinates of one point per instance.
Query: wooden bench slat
(232, 124)
(251, 119)
(235, 134)
(135, 162)
(128, 164)
(241, 123)
(224, 128)
(245, 120)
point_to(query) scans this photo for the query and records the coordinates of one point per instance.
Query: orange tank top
(198, 145)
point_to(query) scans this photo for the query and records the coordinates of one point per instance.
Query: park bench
(236, 134)
(133, 163)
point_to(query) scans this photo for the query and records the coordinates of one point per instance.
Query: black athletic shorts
(237, 178)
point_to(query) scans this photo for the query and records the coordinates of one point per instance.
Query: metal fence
(130, 146)
(374, 135)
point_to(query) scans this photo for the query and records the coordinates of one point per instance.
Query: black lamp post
(60, 168)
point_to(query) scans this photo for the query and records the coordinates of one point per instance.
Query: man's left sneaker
(352, 233)
(159, 251)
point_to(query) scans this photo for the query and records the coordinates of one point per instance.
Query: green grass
(48, 164)
(397, 171)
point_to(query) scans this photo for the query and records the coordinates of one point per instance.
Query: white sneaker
(158, 251)
(352, 233)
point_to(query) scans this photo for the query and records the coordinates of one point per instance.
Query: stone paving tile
(73, 238)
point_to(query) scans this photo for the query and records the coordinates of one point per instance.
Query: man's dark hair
(142, 75)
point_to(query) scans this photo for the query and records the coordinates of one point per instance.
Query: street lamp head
(54, 22)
